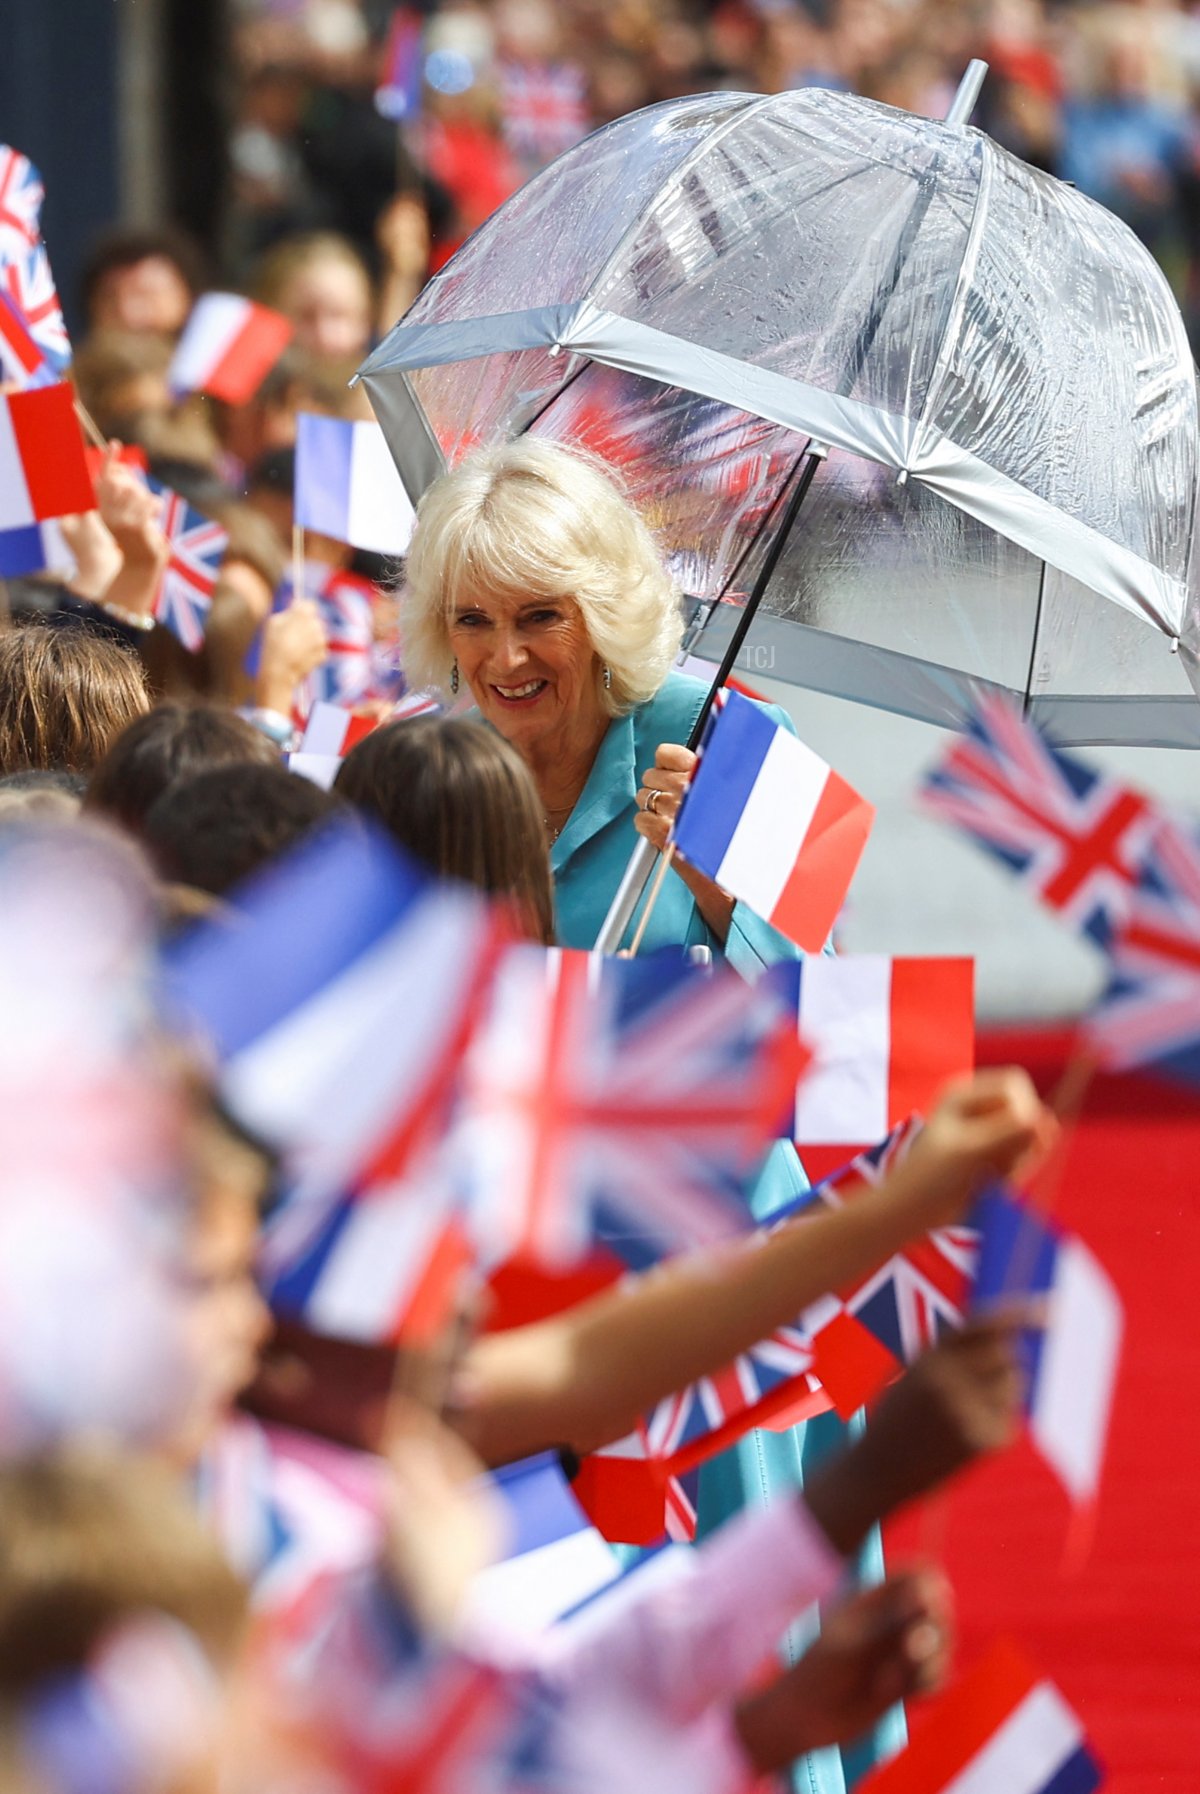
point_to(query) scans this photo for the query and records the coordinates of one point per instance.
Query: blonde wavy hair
(532, 520)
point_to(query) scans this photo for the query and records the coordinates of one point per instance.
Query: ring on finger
(652, 803)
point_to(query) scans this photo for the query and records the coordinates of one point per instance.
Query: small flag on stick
(42, 470)
(1072, 1362)
(772, 823)
(886, 1036)
(348, 486)
(1001, 1729)
(228, 347)
(1075, 838)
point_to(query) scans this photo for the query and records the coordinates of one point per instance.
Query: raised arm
(583, 1378)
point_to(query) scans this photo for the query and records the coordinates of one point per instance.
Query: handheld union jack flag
(289, 1509)
(190, 577)
(346, 604)
(35, 349)
(910, 1300)
(1074, 837)
(21, 196)
(778, 1373)
(544, 108)
(1150, 1012)
(641, 1089)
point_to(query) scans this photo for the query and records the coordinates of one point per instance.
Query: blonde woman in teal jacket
(535, 589)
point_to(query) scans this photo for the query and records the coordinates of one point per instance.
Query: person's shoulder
(671, 713)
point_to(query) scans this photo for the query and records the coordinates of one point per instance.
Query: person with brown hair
(460, 800)
(171, 742)
(92, 1537)
(65, 696)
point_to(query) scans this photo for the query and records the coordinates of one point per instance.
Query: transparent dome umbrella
(997, 366)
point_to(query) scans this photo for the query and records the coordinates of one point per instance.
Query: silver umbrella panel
(998, 366)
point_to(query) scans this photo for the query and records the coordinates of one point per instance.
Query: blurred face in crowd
(329, 303)
(228, 1322)
(532, 670)
(150, 296)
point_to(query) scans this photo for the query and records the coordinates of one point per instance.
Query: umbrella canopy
(997, 365)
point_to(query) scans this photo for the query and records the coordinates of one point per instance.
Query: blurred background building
(256, 129)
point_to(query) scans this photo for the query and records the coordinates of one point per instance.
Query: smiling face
(532, 671)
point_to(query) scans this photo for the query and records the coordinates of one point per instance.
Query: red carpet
(1121, 1635)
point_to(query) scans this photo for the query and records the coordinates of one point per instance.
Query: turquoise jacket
(587, 861)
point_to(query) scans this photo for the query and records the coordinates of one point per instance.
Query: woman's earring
(454, 680)
(607, 677)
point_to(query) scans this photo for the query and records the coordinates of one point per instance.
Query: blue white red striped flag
(43, 473)
(299, 1005)
(348, 486)
(189, 579)
(772, 823)
(554, 1558)
(1070, 1363)
(886, 1035)
(1000, 1729)
(228, 347)
(1149, 1014)
(1075, 838)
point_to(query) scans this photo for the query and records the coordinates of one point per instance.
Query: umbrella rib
(694, 155)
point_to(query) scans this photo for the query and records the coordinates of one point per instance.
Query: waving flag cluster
(35, 350)
(1124, 872)
(190, 577)
(772, 823)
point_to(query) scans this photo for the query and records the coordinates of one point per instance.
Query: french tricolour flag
(886, 1035)
(42, 470)
(1001, 1729)
(555, 1558)
(348, 487)
(772, 823)
(1071, 1363)
(299, 1004)
(228, 346)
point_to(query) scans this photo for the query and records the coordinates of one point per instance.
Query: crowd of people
(1102, 94)
(159, 1527)
(240, 1544)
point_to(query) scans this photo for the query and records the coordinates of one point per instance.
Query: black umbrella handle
(641, 863)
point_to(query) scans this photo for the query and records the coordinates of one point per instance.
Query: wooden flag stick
(297, 561)
(652, 899)
(90, 426)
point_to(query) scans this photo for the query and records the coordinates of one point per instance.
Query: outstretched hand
(960, 1400)
(990, 1125)
(877, 1647)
